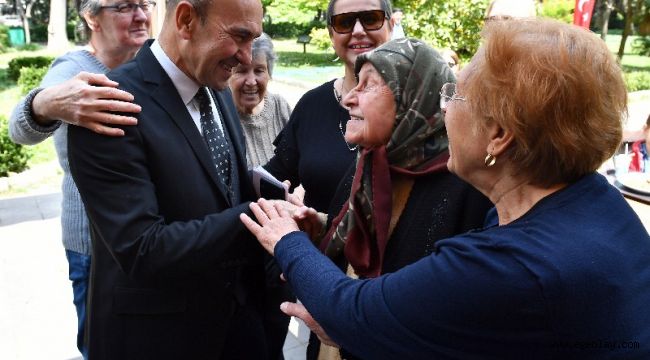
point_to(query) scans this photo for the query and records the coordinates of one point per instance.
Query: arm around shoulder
(23, 127)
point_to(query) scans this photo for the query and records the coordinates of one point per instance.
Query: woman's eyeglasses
(448, 94)
(371, 20)
(130, 8)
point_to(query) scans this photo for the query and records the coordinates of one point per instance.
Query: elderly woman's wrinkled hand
(273, 222)
(88, 100)
(310, 221)
(297, 196)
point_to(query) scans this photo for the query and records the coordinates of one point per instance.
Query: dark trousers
(246, 338)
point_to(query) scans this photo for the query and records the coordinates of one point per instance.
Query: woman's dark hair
(383, 4)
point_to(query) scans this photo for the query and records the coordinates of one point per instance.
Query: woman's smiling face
(372, 110)
(349, 46)
(248, 84)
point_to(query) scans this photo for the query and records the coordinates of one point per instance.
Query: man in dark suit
(175, 274)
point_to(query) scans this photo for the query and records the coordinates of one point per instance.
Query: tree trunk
(57, 36)
(23, 17)
(607, 12)
(28, 15)
(627, 30)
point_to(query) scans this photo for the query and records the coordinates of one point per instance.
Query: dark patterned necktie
(214, 137)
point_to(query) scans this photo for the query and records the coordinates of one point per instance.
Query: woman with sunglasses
(311, 149)
(560, 270)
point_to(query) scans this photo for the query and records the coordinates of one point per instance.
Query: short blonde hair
(557, 88)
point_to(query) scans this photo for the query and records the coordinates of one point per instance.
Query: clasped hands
(277, 218)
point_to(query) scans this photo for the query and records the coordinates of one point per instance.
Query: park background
(33, 32)
(35, 304)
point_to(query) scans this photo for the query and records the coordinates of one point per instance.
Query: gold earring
(490, 160)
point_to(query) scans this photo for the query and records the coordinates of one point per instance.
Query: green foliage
(4, 38)
(291, 30)
(38, 32)
(291, 18)
(30, 47)
(320, 38)
(561, 10)
(285, 30)
(641, 46)
(453, 24)
(13, 157)
(70, 30)
(296, 11)
(32, 61)
(297, 59)
(637, 80)
(30, 77)
(4, 80)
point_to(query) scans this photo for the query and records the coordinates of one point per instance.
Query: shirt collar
(185, 86)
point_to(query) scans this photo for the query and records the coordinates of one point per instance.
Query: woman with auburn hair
(560, 270)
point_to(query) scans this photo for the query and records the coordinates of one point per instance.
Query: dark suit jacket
(171, 260)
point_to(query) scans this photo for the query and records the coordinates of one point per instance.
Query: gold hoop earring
(490, 160)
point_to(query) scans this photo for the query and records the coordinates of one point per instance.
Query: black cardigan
(439, 206)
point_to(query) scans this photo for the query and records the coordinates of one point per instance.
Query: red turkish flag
(582, 13)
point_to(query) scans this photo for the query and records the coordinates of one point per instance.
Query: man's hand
(299, 311)
(274, 222)
(86, 100)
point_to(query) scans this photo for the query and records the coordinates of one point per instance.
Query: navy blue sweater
(569, 279)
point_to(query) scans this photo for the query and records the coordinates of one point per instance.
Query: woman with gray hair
(262, 114)
(75, 91)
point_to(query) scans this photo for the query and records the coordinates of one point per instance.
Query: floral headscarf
(414, 72)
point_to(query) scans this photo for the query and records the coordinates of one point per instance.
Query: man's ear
(186, 18)
(93, 24)
(500, 139)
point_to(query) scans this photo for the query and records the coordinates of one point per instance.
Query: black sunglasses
(371, 20)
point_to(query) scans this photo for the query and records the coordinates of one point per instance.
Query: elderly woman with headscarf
(560, 270)
(403, 198)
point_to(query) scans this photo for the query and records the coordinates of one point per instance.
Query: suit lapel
(164, 93)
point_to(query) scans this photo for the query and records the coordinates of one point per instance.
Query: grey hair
(264, 46)
(90, 7)
(383, 4)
